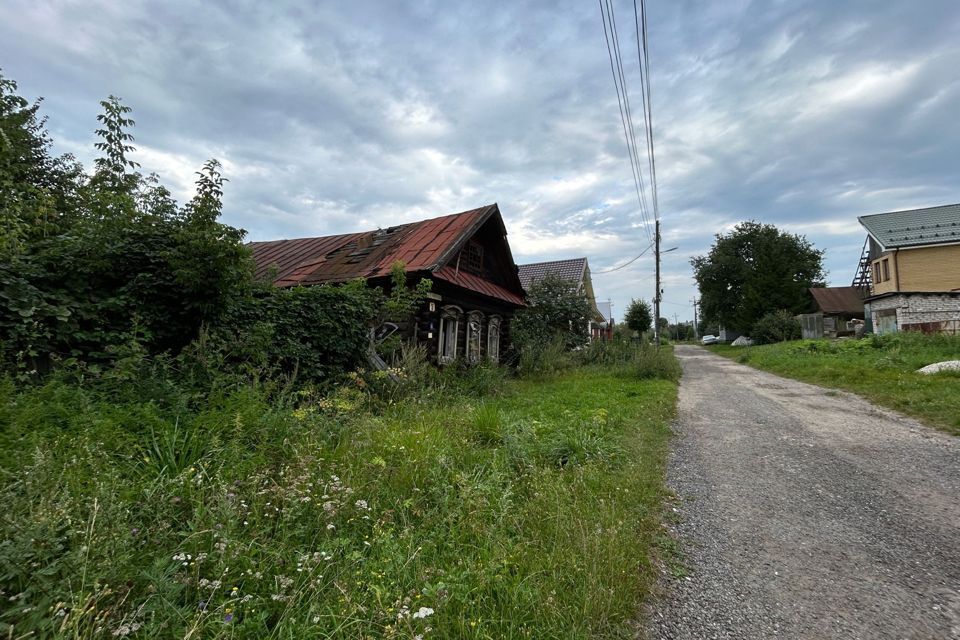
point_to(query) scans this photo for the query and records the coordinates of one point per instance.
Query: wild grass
(532, 513)
(879, 368)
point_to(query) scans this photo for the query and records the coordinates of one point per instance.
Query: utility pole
(696, 330)
(656, 295)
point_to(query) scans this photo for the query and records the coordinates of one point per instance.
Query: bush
(310, 333)
(558, 311)
(778, 326)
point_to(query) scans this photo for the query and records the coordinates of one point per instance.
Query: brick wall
(934, 268)
(927, 312)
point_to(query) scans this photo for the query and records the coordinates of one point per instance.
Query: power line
(626, 264)
(625, 116)
(644, 61)
(626, 99)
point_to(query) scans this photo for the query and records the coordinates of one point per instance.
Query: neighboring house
(466, 255)
(603, 330)
(836, 307)
(576, 270)
(911, 265)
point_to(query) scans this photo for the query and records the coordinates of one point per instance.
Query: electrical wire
(625, 117)
(612, 16)
(626, 264)
(644, 61)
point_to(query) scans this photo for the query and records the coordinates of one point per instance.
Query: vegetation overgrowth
(98, 266)
(186, 452)
(454, 504)
(882, 369)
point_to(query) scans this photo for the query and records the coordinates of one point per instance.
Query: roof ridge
(886, 213)
(361, 232)
(533, 264)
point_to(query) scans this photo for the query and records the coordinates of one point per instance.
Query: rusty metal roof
(422, 246)
(478, 284)
(838, 299)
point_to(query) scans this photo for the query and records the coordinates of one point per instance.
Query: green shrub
(311, 333)
(778, 326)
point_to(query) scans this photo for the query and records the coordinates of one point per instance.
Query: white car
(709, 339)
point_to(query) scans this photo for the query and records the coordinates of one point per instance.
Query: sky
(331, 117)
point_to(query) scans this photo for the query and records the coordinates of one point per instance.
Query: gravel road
(806, 513)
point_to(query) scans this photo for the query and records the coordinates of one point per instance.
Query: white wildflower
(423, 612)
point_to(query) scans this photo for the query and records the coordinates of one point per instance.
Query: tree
(93, 263)
(754, 270)
(557, 309)
(638, 316)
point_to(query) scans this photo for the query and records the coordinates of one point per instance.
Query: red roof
(422, 246)
(478, 284)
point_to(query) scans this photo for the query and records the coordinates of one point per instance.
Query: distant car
(708, 339)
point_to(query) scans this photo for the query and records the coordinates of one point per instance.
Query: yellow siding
(926, 269)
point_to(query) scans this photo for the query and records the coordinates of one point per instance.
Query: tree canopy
(557, 309)
(754, 270)
(638, 316)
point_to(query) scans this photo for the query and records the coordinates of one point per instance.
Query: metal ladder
(862, 279)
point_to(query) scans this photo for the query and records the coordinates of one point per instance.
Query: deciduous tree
(638, 316)
(754, 270)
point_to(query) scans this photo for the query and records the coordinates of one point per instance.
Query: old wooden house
(835, 310)
(466, 256)
(910, 268)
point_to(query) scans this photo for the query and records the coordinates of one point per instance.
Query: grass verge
(881, 369)
(533, 514)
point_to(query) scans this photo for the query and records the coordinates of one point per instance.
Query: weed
(334, 513)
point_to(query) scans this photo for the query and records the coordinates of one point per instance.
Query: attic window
(471, 258)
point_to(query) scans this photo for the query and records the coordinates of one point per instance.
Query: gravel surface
(804, 512)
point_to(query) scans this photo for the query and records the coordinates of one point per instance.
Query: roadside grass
(882, 369)
(534, 513)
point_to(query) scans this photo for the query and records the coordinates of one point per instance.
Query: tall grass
(880, 368)
(532, 513)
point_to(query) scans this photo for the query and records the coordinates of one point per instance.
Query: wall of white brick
(918, 308)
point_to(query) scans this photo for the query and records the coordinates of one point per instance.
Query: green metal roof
(914, 228)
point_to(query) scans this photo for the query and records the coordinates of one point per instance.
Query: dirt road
(807, 513)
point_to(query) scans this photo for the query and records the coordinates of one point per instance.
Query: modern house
(911, 268)
(575, 270)
(476, 289)
(836, 307)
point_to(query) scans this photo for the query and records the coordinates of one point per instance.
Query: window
(474, 332)
(471, 258)
(886, 269)
(876, 272)
(493, 338)
(449, 333)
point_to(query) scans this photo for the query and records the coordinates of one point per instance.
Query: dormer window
(471, 258)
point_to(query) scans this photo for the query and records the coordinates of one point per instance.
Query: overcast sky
(341, 116)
